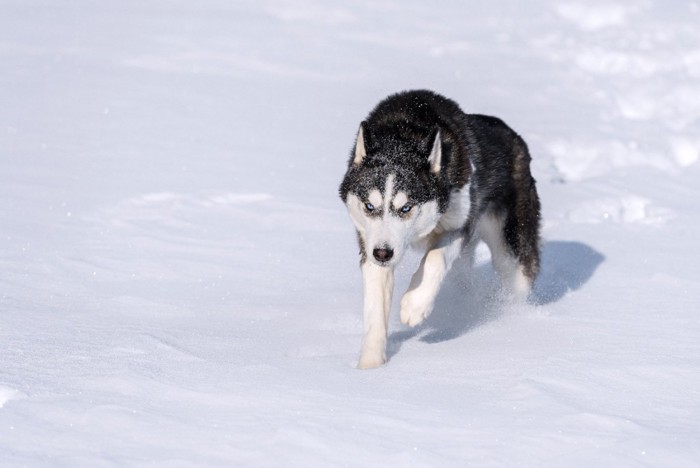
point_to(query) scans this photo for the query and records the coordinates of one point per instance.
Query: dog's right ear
(360, 151)
(435, 158)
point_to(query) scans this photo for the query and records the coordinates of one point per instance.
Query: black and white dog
(425, 174)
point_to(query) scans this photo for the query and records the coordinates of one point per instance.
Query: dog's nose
(383, 255)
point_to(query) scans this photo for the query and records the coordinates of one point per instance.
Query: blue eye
(406, 208)
(369, 206)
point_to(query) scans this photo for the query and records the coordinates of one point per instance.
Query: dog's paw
(371, 360)
(516, 287)
(415, 307)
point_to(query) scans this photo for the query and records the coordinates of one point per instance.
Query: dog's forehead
(380, 190)
(369, 180)
(400, 185)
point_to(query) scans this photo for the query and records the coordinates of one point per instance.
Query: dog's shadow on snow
(470, 296)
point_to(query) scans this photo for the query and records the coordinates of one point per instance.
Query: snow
(179, 279)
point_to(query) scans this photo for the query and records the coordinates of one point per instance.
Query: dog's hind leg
(378, 285)
(418, 301)
(509, 268)
(512, 229)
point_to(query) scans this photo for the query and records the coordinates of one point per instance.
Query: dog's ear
(435, 158)
(360, 151)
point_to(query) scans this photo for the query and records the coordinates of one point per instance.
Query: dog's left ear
(435, 158)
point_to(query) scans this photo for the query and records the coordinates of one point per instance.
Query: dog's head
(392, 190)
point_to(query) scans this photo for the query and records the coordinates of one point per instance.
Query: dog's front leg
(378, 285)
(419, 300)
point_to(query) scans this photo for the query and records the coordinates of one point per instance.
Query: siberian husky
(424, 174)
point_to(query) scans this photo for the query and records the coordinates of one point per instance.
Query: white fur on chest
(457, 211)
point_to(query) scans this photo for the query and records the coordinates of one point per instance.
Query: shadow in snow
(565, 266)
(471, 297)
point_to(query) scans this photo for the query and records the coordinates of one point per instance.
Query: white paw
(518, 288)
(371, 360)
(415, 307)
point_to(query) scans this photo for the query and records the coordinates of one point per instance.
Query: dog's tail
(525, 219)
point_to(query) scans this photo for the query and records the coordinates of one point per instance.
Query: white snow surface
(179, 281)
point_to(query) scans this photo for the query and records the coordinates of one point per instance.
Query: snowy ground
(179, 281)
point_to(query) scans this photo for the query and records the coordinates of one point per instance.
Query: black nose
(383, 255)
